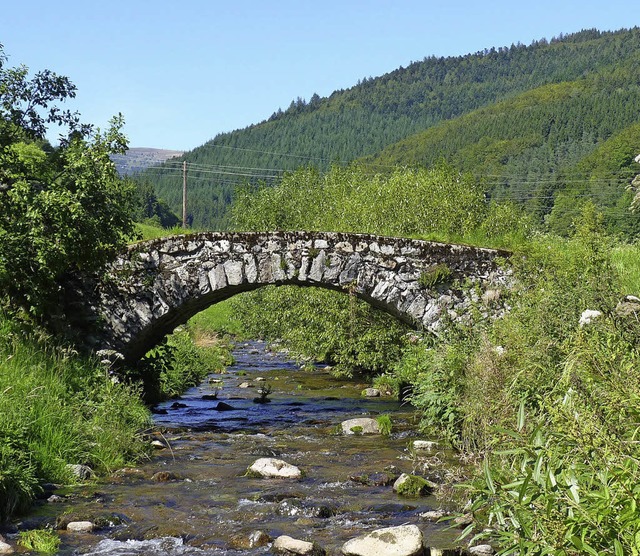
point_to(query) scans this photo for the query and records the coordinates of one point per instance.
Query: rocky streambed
(257, 460)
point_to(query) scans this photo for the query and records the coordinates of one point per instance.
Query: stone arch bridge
(157, 285)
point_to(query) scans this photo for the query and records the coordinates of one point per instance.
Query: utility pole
(184, 194)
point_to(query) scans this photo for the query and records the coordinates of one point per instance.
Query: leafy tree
(62, 208)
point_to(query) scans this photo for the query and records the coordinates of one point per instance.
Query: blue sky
(181, 72)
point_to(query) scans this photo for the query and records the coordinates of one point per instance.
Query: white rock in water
(6, 548)
(423, 485)
(433, 515)
(274, 468)
(405, 540)
(288, 545)
(80, 526)
(424, 445)
(362, 425)
(371, 393)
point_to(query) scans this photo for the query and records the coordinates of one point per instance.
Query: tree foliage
(62, 208)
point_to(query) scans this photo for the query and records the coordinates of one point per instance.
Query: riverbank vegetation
(545, 401)
(59, 409)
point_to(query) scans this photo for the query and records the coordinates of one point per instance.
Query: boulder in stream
(80, 526)
(361, 425)
(374, 479)
(405, 540)
(6, 548)
(413, 485)
(424, 446)
(371, 393)
(164, 477)
(288, 545)
(82, 472)
(481, 550)
(433, 515)
(273, 468)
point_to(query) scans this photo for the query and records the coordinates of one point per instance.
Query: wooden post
(184, 194)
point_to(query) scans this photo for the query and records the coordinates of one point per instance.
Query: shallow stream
(193, 497)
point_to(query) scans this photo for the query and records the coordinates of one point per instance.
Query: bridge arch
(157, 285)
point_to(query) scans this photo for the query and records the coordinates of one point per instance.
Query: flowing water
(194, 497)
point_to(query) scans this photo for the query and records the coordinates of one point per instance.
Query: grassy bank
(57, 409)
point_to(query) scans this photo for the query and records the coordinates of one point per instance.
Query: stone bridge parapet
(159, 284)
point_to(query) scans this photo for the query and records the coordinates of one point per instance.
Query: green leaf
(487, 476)
(523, 489)
(521, 415)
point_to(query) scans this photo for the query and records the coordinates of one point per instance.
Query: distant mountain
(530, 121)
(140, 158)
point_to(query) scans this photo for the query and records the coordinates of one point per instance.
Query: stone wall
(157, 285)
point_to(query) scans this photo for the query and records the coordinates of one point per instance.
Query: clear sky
(183, 71)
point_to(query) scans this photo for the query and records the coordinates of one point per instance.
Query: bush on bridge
(406, 202)
(429, 203)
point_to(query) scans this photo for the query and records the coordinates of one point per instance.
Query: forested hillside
(525, 112)
(578, 137)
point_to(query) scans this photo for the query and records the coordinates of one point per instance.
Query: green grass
(385, 424)
(217, 319)
(149, 231)
(57, 408)
(40, 540)
(626, 262)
